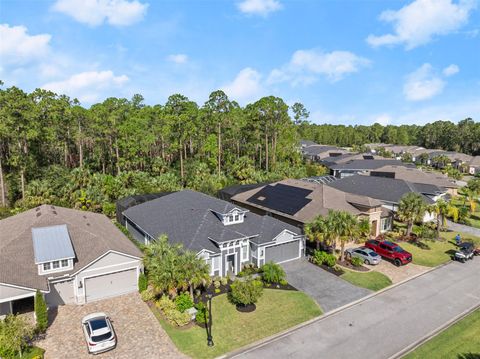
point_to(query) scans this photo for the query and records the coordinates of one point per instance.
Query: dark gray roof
(315, 150)
(228, 192)
(189, 218)
(384, 189)
(368, 164)
(52, 243)
(305, 143)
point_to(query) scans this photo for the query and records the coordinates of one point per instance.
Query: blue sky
(348, 61)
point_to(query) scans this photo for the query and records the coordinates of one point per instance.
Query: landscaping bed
(276, 310)
(459, 341)
(348, 265)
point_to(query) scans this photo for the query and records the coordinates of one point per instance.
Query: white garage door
(110, 285)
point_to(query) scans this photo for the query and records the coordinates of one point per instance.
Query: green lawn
(474, 218)
(439, 252)
(276, 310)
(370, 280)
(460, 341)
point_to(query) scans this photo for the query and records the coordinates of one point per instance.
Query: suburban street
(383, 325)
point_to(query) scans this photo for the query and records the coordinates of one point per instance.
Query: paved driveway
(385, 324)
(398, 274)
(328, 290)
(138, 331)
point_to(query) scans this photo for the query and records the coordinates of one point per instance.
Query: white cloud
(423, 84)
(87, 86)
(305, 66)
(450, 70)
(259, 7)
(383, 119)
(246, 85)
(178, 58)
(418, 22)
(17, 47)
(96, 12)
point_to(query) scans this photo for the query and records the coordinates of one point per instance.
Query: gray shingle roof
(188, 217)
(92, 236)
(368, 164)
(384, 189)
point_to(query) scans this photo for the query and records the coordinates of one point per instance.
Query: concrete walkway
(383, 325)
(457, 227)
(328, 290)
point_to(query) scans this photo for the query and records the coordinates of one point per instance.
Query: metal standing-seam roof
(52, 243)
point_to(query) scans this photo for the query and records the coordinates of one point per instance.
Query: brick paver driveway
(398, 274)
(139, 334)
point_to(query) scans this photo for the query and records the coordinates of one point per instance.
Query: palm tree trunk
(438, 226)
(409, 227)
(342, 252)
(318, 244)
(2, 185)
(191, 291)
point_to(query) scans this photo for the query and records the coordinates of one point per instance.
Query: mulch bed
(246, 308)
(279, 286)
(211, 289)
(350, 266)
(338, 273)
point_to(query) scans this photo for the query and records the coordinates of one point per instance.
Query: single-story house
(474, 165)
(225, 235)
(298, 202)
(390, 190)
(319, 152)
(353, 167)
(71, 256)
(416, 175)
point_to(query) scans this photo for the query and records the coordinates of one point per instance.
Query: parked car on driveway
(465, 250)
(368, 255)
(99, 333)
(391, 251)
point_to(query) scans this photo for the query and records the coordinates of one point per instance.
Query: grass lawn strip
(371, 280)
(32, 352)
(458, 341)
(276, 311)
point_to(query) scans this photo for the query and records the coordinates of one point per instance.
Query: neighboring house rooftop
(414, 175)
(385, 189)
(475, 161)
(306, 143)
(192, 219)
(302, 201)
(316, 150)
(374, 164)
(349, 157)
(91, 235)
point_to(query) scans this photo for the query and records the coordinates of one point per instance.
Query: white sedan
(99, 333)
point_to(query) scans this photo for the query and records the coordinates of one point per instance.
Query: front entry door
(374, 229)
(231, 264)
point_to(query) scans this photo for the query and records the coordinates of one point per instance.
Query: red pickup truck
(390, 251)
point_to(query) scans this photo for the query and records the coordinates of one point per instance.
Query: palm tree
(472, 199)
(364, 228)
(194, 271)
(441, 209)
(344, 228)
(317, 231)
(411, 208)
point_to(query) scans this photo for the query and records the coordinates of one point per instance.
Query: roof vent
(54, 212)
(84, 216)
(37, 209)
(52, 207)
(88, 224)
(39, 214)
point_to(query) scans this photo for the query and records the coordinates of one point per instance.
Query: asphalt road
(385, 324)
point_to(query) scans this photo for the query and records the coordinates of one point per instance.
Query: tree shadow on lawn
(469, 356)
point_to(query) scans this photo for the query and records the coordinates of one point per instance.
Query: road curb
(324, 316)
(434, 333)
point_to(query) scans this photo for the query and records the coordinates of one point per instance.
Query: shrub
(321, 257)
(224, 281)
(148, 294)
(283, 282)
(183, 302)
(41, 312)
(142, 282)
(217, 278)
(216, 284)
(272, 273)
(246, 292)
(172, 314)
(248, 269)
(356, 262)
(217, 290)
(202, 313)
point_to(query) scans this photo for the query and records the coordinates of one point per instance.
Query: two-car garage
(283, 252)
(110, 285)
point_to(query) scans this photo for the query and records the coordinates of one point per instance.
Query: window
(237, 218)
(64, 262)
(230, 218)
(56, 264)
(46, 266)
(244, 252)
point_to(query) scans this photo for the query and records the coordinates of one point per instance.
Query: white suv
(99, 333)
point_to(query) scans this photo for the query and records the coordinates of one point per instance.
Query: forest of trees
(54, 151)
(462, 137)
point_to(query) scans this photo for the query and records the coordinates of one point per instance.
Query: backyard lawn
(460, 341)
(276, 311)
(474, 218)
(370, 280)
